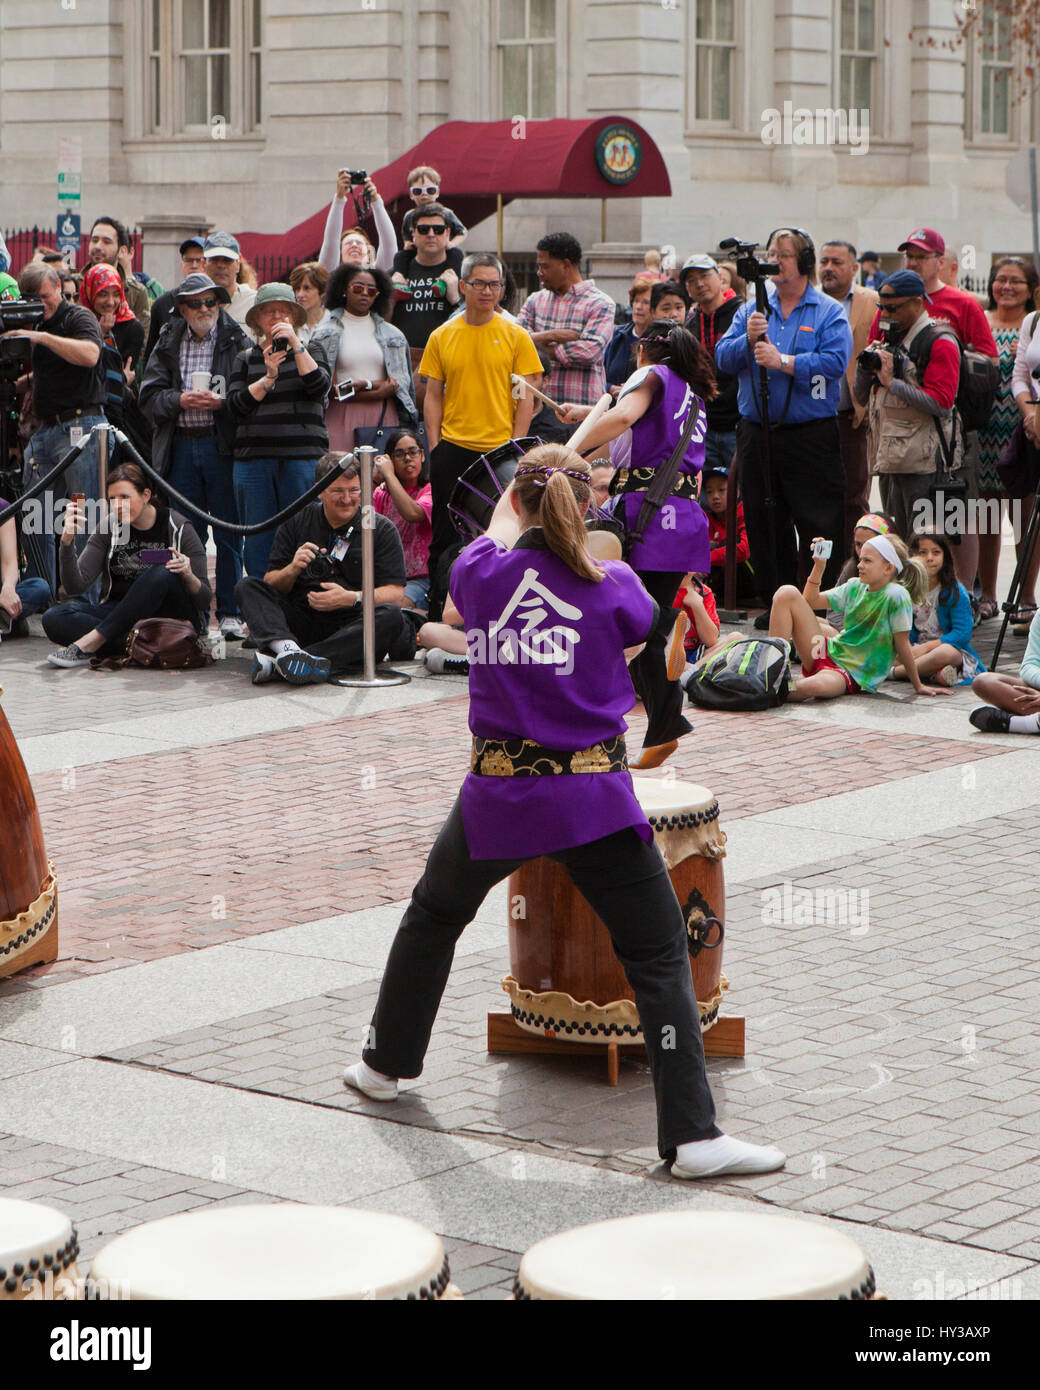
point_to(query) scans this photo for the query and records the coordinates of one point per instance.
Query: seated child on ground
(941, 635)
(1014, 701)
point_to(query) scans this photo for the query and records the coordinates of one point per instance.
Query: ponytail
(914, 577)
(676, 347)
(552, 484)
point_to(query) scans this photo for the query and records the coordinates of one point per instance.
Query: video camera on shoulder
(14, 352)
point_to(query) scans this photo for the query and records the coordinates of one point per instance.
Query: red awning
(478, 160)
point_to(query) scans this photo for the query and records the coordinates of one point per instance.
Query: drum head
(31, 1231)
(278, 1251)
(475, 495)
(663, 800)
(703, 1256)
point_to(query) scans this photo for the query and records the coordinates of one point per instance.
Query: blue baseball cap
(905, 284)
(221, 244)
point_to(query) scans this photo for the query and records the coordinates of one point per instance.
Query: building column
(161, 238)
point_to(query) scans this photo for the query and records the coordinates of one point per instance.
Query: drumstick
(594, 416)
(520, 381)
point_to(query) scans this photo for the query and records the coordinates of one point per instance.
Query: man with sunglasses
(165, 307)
(426, 306)
(194, 433)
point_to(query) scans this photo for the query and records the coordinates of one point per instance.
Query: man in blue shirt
(804, 343)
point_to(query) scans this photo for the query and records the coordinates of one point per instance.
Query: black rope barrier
(59, 468)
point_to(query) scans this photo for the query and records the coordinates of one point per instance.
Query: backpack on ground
(748, 673)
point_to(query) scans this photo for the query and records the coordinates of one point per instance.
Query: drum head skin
(660, 799)
(278, 1251)
(700, 1256)
(34, 1239)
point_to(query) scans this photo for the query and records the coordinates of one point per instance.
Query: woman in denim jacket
(367, 357)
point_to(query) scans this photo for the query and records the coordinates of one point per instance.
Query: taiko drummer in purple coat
(547, 628)
(643, 429)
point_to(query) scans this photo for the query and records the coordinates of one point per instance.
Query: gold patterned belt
(522, 757)
(639, 480)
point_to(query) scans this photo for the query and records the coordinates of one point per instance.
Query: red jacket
(717, 537)
(692, 641)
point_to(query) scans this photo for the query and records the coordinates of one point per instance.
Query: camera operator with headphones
(908, 376)
(805, 344)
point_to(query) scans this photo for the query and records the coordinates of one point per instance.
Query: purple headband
(530, 469)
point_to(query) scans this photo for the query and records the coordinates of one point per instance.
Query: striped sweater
(290, 422)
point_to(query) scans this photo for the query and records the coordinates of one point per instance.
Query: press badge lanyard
(339, 550)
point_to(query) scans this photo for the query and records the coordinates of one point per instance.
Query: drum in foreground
(566, 982)
(474, 497)
(28, 887)
(276, 1251)
(38, 1249)
(697, 1255)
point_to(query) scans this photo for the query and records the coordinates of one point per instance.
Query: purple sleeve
(468, 571)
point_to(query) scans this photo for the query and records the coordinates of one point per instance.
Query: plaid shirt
(579, 377)
(196, 356)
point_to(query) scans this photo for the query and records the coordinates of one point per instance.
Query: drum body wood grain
(560, 950)
(24, 870)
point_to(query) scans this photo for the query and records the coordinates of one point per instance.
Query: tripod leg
(1021, 569)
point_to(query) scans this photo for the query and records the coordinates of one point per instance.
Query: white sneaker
(712, 1158)
(442, 663)
(234, 629)
(264, 669)
(370, 1083)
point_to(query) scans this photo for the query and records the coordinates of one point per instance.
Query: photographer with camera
(907, 376)
(794, 478)
(68, 390)
(277, 399)
(351, 246)
(312, 592)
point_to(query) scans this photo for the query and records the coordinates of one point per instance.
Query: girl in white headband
(879, 612)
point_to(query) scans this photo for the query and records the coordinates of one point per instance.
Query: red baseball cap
(925, 239)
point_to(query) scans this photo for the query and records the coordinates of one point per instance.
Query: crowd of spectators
(238, 395)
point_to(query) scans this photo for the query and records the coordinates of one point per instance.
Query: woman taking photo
(309, 282)
(366, 355)
(151, 565)
(405, 496)
(352, 247)
(513, 806)
(674, 375)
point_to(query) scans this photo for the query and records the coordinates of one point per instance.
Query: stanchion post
(101, 432)
(363, 454)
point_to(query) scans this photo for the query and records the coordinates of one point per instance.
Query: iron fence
(22, 242)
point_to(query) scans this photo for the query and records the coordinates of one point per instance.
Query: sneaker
(264, 669)
(716, 1157)
(300, 668)
(233, 629)
(370, 1083)
(70, 656)
(948, 676)
(762, 621)
(442, 663)
(990, 720)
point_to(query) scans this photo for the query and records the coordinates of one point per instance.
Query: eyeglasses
(493, 285)
(367, 290)
(885, 303)
(1001, 281)
(922, 256)
(407, 453)
(420, 188)
(430, 228)
(210, 303)
(71, 294)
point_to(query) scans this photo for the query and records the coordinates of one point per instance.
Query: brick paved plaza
(232, 864)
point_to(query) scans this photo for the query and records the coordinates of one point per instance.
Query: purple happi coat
(547, 664)
(677, 537)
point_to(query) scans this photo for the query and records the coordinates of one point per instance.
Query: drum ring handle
(702, 931)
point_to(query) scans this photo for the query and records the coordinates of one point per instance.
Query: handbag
(377, 435)
(1019, 464)
(169, 644)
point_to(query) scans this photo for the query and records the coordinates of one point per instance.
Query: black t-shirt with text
(427, 309)
(311, 524)
(125, 565)
(57, 384)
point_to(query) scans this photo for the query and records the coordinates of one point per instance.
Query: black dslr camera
(358, 175)
(870, 358)
(319, 571)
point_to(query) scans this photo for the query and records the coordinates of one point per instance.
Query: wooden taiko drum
(566, 982)
(280, 1250)
(697, 1256)
(38, 1249)
(28, 887)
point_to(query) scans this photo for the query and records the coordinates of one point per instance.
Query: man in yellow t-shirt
(470, 406)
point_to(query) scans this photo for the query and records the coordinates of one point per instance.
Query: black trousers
(625, 881)
(155, 593)
(447, 463)
(662, 698)
(808, 488)
(275, 617)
